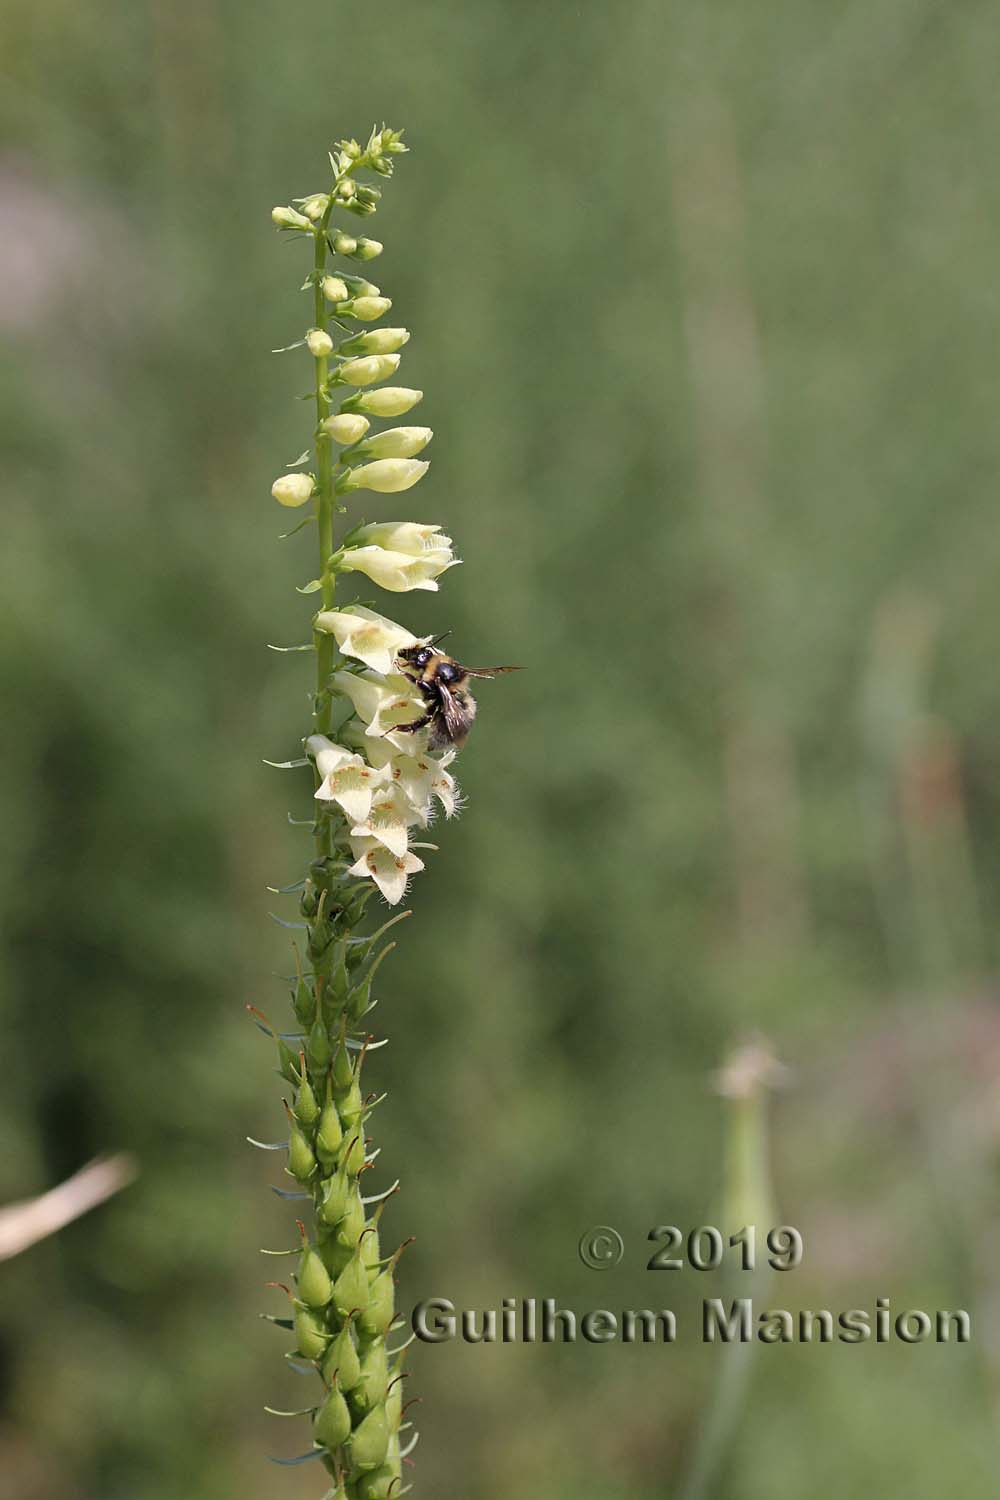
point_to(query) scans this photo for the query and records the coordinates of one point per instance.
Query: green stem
(324, 641)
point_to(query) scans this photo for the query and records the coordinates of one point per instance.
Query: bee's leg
(412, 728)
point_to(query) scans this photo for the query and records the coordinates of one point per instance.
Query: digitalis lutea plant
(377, 786)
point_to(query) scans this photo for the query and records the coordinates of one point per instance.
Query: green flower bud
(352, 1105)
(308, 901)
(370, 1440)
(288, 1063)
(295, 489)
(334, 289)
(394, 1399)
(376, 1316)
(378, 1484)
(311, 1337)
(306, 1109)
(329, 1133)
(344, 244)
(289, 218)
(365, 371)
(336, 1195)
(366, 309)
(345, 427)
(373, 1381)
(304, 1003)
(342, 1072)
(352, 1152)
(341, 1361)
(315, 206)
(390, 401)
(333, 1421)
(314, 1284)
(376, 340)
(350, 1290)
(334, 1255)
(352, 1225)
(318, 1047)
(301, 1161)
(319, 343)
(371, 1249)
(367, 249)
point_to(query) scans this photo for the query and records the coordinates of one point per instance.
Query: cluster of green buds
(376, 784)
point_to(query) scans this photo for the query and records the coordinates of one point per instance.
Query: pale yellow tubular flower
(366, 636)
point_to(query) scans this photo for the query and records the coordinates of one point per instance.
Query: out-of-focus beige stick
(24, 1224)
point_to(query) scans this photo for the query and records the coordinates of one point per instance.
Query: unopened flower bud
(293, 489)
(367, 370)
(347, 189)
(319, 343)
(315, 206)
(377, 340)
(333, 1421)
(344, 244)
(341, 1360)
(345, 427)
(350, 1290)
(329, 1134)
(387, 475)
(397, 442)
(370, 1440)
(367, 309)
(390, 401)
(314, 1285)
(289, 218)
(380, 1308)
(367, 249)
(334, 289)
(373, 1382)
(310, 1334)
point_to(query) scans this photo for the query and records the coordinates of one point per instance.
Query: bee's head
(418, 656)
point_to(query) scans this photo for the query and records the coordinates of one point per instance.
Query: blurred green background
(705, 304)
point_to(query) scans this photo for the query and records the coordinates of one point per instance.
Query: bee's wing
(488, 671)
(455, 721)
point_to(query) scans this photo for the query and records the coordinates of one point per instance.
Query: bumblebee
(443, 684)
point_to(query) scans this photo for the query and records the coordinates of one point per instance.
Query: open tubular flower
(383, 702)
(345, 778)
(399, 572)
(413, 537)
(376, 785)
(390, 872)
(366, 636)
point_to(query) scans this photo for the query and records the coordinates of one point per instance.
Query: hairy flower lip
(390, 872)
